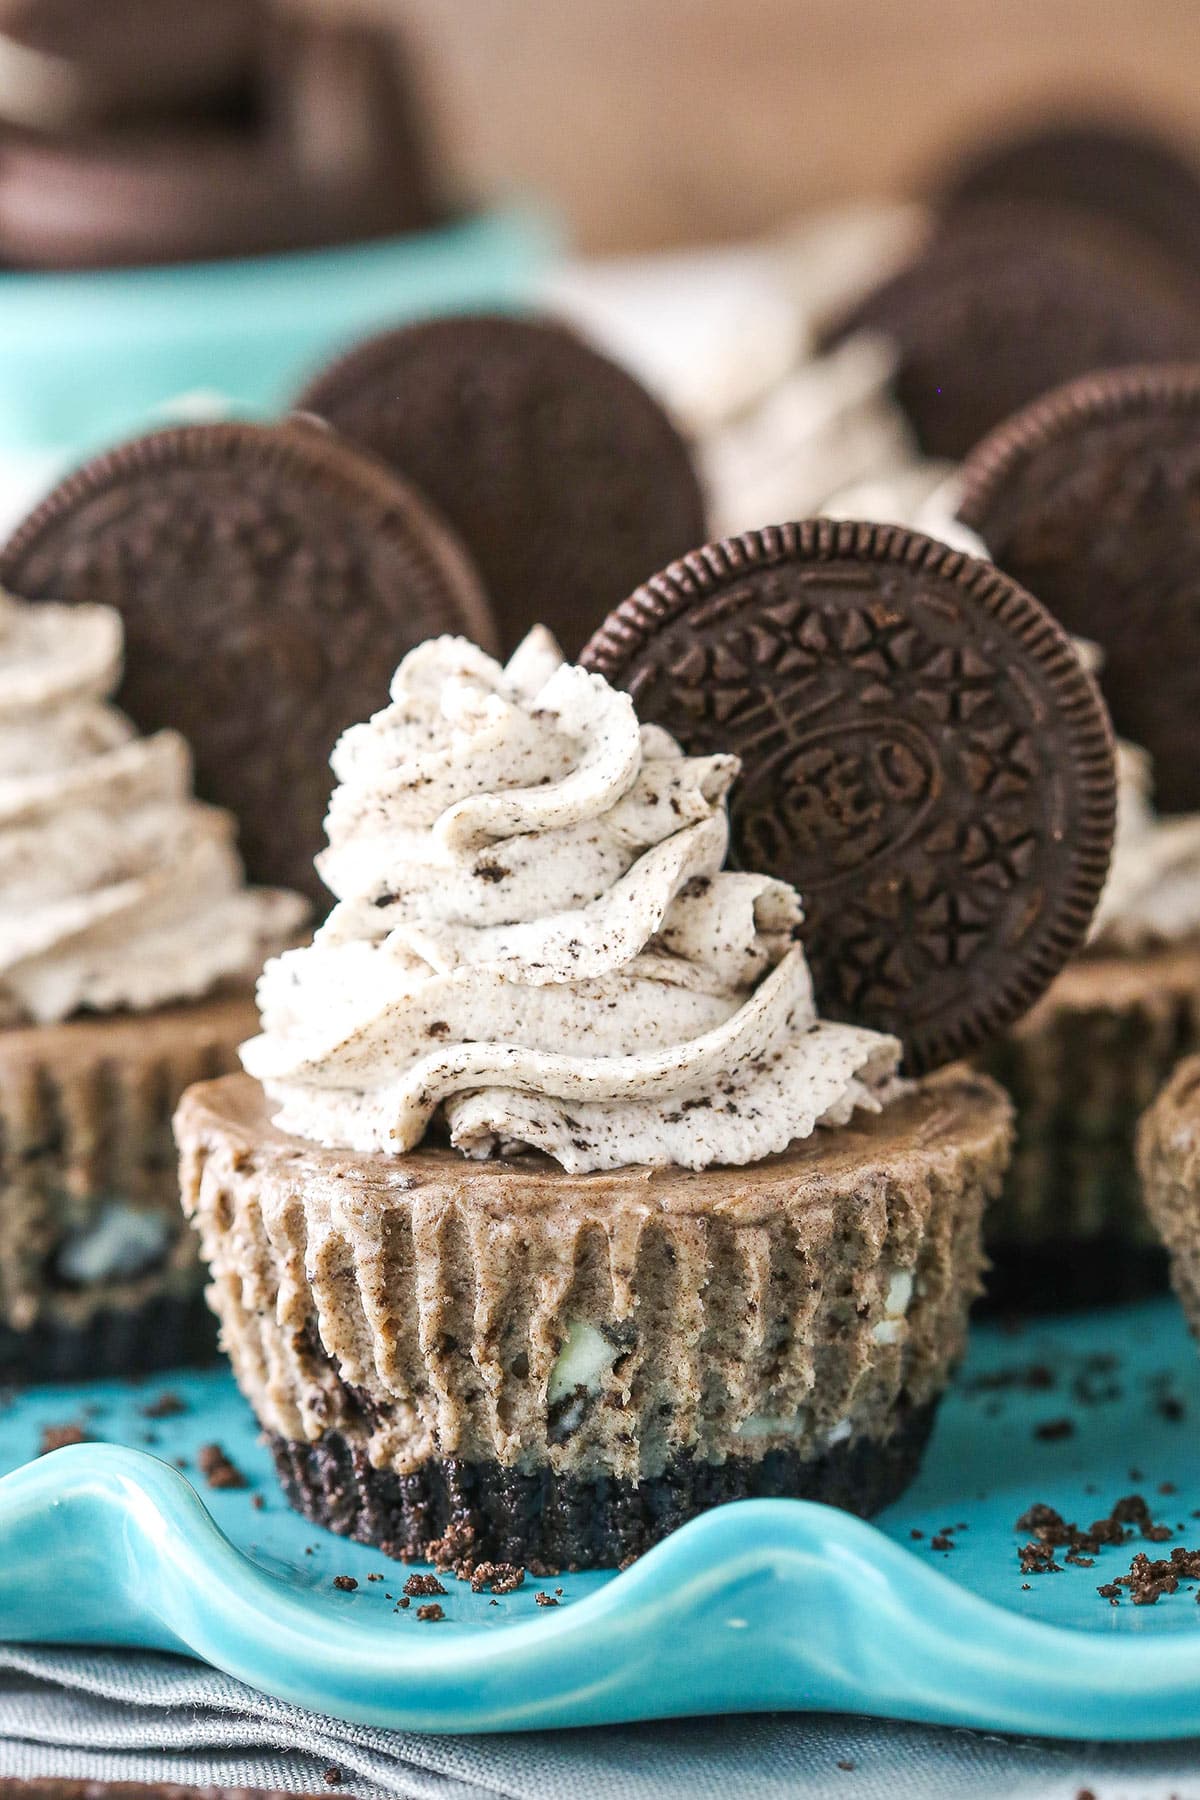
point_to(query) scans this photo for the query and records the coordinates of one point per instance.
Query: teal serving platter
(761, 1605)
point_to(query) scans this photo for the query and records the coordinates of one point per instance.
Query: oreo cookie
(1115, 172)
(321, 148)
(1007, 302)
(67, 65)
(270, 579)
(1091, 498)
(567, 482)
(923, 757)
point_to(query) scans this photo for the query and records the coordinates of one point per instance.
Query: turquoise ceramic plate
(761, 1605)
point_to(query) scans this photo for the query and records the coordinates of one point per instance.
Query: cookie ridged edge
(661, 600)
(1102, 397)
(295, 447)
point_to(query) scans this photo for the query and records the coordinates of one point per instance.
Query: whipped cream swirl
(535, 940)
(117, 888)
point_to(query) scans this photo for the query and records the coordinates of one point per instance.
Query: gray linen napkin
(119, 1714)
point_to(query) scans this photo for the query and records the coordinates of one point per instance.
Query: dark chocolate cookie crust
(923, 757)
(166, 1331)
(565, 479)
(1091, 498)
(1007, 302)
(548, 1522)
(270, 579)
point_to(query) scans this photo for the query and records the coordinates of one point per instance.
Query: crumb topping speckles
(536, 940)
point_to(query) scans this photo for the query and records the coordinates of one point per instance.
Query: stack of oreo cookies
(135, 133)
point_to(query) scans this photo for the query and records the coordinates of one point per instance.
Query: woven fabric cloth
(115, 1714)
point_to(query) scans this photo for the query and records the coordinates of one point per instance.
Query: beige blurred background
(665, 121)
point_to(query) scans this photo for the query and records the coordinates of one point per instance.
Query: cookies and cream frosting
(535, 939)
(118, 889)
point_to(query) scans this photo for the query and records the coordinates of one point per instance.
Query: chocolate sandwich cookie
(1115, 172)
(1007, 302)
(268, 579)
(1089, 498)
(322, 149)
(565, 479)
(70, 64)
(923, 758)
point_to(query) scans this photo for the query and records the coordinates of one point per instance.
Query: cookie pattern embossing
(922, 757)
(268, 579)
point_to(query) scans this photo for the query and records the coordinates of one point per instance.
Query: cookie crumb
(500, 1577)
(430, 1613)
(57, 1437)
(1053, 1431)
(346, 1583)
(217, 1469)
(419, 1587)
(257, 1502)
(333, 1776)
(541, 1599)
(847, 1763)
(167, 1406)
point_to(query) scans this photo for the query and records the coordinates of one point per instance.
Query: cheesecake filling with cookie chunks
(537, 945)
(118, 889)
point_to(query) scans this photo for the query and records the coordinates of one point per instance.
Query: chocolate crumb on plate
(167, 1406)
(430, 1613)
(346, 1583)
(1052, 1431)
(57, 1437)
(217, 1469)
(541, 1599)
(422, 1586)
(500, 1577)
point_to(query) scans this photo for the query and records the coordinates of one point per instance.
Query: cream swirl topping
(117, 888)
(536, 940)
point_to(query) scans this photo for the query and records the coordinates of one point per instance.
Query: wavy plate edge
(764, 1605)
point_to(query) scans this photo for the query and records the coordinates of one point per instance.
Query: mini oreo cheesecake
(1087, 498)
(553, 1207)
(129, 943)
(237, 580)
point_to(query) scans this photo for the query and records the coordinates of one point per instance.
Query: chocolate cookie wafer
(923, 757)
(1114, 171)
(70, 64)
(268, 579)
(1008, 302)
(565, 479)
(1091, 499)
(321, 149)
